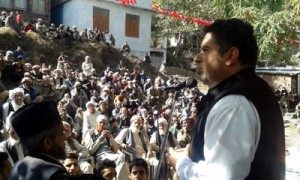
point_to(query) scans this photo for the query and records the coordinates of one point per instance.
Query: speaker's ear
(232, 56)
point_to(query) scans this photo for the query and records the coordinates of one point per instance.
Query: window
(101, 19)
(132, 25)
(5, 3)
(20, 4)
(38, 6)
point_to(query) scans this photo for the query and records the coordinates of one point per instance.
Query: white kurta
(231, 138)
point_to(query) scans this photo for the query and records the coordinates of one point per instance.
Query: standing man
(147, 58)
(40, 130)
(239, 132)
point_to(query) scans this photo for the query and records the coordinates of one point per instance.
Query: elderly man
(89, 116)
(102, 145)
(59, 82)
(72, 146)
(132, 139)
(29, 92)
(12, 146)
(16, 97)
(156, 141)
(43, 140)
(78, 95)
(47, 89)
(87, 66)
(157, 137)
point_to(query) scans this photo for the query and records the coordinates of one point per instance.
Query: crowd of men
(117, 116)
(15, 21)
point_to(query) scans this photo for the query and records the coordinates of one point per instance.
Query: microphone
(190, 83)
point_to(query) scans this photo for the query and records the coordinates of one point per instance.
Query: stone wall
(278, 81)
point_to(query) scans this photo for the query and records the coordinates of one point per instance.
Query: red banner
(173, 14)
(180, 16)
(127, 2)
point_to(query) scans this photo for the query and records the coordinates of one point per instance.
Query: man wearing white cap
(59, 82)
(79, 96)
(133, 140)
(156, 141)
(89, 116)
(16, 98)
(87, 66)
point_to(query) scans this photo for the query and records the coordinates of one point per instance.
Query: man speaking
(239, 131)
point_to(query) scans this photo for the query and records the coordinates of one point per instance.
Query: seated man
(132, 139)
(156, 141)
(107, 169)
(184, 134)
(138, 169)
(71, 164)
(12, 146)
(84, 160)
(101, 145)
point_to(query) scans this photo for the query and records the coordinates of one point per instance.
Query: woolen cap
(35, 118)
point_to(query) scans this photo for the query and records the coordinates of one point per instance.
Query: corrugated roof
(279, 71)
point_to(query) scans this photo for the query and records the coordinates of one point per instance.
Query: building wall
(81, 14)
(278, 81)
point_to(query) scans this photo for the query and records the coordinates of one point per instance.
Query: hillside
(42, 50)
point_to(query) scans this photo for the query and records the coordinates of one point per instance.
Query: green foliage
(275, 22)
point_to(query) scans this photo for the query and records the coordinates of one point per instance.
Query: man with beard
(89, 116)
(16, 98)
(133, 140)
(12, 146)
(47, 89)
(184, 134)
(79, 96)
(156, 141)
(40, 130)
(149, 124)
(30, 94)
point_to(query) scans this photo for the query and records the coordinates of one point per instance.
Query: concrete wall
(81, 14)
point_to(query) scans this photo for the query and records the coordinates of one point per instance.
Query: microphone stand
(163, 145)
